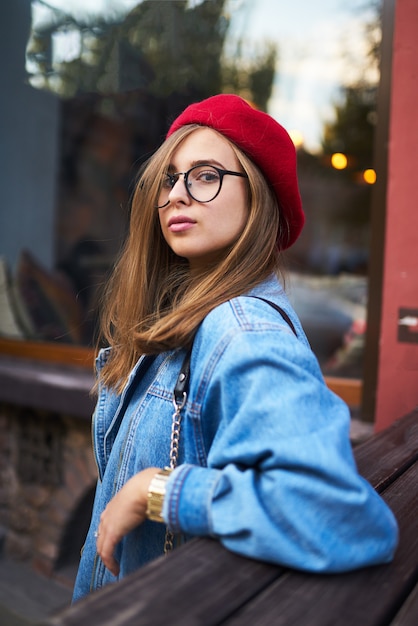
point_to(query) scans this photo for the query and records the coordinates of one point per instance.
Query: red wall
(397, 383)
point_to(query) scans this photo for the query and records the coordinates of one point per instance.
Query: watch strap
(156, 494)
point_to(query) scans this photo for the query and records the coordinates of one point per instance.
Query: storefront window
(89, 90)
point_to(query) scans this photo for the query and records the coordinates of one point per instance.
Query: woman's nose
(178, 191)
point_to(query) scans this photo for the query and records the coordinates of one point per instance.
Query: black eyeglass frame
(174, 178)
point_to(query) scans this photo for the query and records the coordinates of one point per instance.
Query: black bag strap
(180, 389)
(279, 310)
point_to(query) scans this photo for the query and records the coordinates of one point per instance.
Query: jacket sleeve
(281, 483)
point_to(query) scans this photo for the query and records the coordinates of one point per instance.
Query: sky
(320, 46)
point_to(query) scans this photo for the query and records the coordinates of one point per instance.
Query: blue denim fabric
(265, 461)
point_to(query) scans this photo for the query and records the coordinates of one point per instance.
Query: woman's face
(202, 231)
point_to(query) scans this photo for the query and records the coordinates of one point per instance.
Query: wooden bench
(203, 584)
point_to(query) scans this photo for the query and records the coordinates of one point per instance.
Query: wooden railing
(349, 389)
(203, 584)
(65, 354)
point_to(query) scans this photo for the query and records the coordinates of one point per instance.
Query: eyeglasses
(203, 183)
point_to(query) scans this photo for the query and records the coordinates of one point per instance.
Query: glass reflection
(112, 74)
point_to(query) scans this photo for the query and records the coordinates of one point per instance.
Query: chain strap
(175, 431)
(179, 400)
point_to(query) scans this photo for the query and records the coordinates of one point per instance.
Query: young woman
(256, 450)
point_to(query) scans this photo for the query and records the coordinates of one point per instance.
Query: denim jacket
(265, 462)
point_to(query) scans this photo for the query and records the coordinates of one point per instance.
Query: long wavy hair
(153, 303)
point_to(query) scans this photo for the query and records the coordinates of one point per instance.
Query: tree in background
(352, 129)
(121, 78)
(342, 204)
(251, 76)
(159, 47)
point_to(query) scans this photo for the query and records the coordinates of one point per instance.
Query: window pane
(90, 89)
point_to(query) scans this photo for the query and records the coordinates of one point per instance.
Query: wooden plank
(382, 458)
(47, 386)
(370, 597)
(408, 615)
(349, 389)
(199, 584)
(203, 570)
(65, 354)
(204, 584)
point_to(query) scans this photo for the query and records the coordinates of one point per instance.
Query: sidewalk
(27, 597)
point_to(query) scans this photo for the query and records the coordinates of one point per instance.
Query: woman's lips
(180, 223)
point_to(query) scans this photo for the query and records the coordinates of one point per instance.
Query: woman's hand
(125, 511)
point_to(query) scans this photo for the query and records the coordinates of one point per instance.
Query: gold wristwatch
(156, 493)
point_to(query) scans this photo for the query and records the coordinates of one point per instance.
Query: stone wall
(47, 479)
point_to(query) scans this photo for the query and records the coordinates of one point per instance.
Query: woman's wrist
(156, 495)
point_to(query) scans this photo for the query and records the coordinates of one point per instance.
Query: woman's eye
(168, 182)
(208, 176)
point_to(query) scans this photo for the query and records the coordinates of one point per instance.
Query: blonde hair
(153, 303)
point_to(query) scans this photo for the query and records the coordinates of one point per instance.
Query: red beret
(264, 140)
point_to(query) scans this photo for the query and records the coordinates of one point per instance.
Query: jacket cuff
(188, 498)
